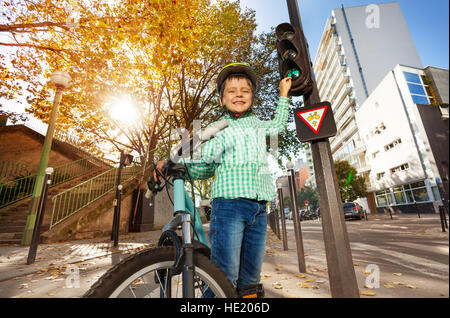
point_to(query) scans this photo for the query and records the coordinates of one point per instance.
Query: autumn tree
(351, 185)
(162, 56)
(162, 53)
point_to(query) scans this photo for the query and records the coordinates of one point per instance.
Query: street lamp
(61, 80)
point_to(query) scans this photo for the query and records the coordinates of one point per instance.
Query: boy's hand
(159, 166)
(285, 86)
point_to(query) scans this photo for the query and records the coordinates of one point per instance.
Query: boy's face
(237, 95)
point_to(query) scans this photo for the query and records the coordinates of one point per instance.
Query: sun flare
(123, 110)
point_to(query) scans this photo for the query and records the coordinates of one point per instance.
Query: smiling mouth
(239, 103)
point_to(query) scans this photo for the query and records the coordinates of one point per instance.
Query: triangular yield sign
(313, 117)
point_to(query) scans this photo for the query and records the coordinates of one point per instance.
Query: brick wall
(22, 145)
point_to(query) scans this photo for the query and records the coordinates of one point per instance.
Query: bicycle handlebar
(203, 136)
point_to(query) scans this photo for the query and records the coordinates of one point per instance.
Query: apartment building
(406, 141)
(359, 45)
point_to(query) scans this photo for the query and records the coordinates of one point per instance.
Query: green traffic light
(294, 73)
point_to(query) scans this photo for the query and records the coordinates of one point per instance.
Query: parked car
(353, 210)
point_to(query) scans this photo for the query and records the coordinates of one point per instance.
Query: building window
(420, 100)
(392, 144)
(399, 195)
(416, 89)
(412, 77)
(375, 154)
(383, 198)
(402, 167)
(420, 92)
(380, 175)
(416, 192)
(404, 194)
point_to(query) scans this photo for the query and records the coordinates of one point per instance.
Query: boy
(243, 184)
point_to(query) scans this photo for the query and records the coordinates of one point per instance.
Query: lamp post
(125, 160)
(61, 80)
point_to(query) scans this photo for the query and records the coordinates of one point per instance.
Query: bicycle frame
(183, 203)
(184, 212)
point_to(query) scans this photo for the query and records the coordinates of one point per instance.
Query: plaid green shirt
(237, 157)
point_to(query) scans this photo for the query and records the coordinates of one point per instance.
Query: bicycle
(155, 272)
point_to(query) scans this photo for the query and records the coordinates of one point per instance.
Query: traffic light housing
(293, 58)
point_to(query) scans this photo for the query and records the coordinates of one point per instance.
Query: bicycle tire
(115, 281)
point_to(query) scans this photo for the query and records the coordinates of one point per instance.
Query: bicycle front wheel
(150, 274)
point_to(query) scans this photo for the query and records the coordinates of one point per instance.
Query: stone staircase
(13, 217)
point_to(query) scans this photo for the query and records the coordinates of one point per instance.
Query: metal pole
(116, 220)
(442, 216)
(283, 218)
(39, 218)
(297, 226)
(415, 206)
(341, 270)
(39, 183)
(277, 223)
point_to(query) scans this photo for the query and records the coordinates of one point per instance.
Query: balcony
(345, 91)
(342, 108)
(360, 147)
(349, 115)
(329, 81)
(343, 135)
(336, 79)
(341, 86)
(364, 169)
(327, 71)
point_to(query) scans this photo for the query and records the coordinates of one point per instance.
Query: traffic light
(293, 58)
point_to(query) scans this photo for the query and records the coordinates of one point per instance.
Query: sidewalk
(280, 274)
(13, 258)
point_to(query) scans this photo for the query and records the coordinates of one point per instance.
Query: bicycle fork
(188, 268)
(188, 248)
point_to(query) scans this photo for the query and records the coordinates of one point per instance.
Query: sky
(428, 22)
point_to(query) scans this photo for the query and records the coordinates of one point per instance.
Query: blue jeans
(237, 234)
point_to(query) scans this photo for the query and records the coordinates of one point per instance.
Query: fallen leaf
(367, 292)
(397, 274)
(315, 287)
(309, 280)
(300, 276)
(411, 286)
(304, 285)
(388, 286)
(398, 283)
(277, 285)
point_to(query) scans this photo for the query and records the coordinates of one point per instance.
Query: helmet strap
(236, 115)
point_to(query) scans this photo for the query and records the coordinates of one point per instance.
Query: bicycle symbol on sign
(312, 117)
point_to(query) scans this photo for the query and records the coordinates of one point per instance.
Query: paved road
(410, 254)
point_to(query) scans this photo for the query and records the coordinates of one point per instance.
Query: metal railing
(12, 169)
(74, 199)
(21, 188)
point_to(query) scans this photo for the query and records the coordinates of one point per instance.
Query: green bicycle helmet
(240, 69)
